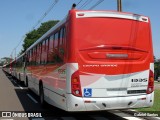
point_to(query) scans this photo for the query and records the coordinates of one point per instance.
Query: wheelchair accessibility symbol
(87, 92)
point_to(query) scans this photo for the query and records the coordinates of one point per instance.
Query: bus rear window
(112, 31)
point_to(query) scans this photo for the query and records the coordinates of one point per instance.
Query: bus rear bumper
(96, 104)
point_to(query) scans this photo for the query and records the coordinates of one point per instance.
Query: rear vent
(135, 91)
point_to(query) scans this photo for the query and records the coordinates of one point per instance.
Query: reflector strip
(117, 55)
(88, 101)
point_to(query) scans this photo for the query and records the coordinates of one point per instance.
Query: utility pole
(119, 5)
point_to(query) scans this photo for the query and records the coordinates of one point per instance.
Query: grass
(156, 82)
(156, 105)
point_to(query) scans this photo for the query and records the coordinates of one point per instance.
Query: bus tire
(26, 82)
(19, 77)
(41, 95)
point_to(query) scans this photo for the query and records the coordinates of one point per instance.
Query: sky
(18, 17)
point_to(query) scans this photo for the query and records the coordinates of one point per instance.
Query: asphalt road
(17, 100)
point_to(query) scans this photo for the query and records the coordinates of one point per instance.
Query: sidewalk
(8, 97)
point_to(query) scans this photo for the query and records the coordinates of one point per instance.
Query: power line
(96, 4)
(85, 4)
(45, 14)
(23, 37)
(79, 2)
(39, 21)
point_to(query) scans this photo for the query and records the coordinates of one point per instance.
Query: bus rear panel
(112, 61)
(91, 61)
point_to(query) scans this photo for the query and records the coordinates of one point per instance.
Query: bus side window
(29, 57)
(64, 40)
(35, 61)
(43, 52)
(51, 49)
(47, 48)
(34, 56)
(39, 52)
(61, 43)
(56, 42)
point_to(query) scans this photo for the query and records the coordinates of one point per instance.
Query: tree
(5, 60)
(156, 68)
(34, 35)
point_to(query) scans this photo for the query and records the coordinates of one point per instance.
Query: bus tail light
(81, 14)
(150, 87)
(76, 85)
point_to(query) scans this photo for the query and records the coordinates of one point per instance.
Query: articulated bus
(91, 61)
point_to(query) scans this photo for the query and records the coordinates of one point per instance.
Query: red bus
(93, 60)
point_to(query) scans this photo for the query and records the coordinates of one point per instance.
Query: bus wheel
(19, 77)
(41, 95)
(26, 83)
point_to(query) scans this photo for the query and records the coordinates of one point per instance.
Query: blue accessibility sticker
(87, 92)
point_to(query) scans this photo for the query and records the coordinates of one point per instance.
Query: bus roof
(111, 14)
(91, 13)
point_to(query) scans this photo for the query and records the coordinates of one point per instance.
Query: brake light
(81, 14)
(150, 87)
(76, 85)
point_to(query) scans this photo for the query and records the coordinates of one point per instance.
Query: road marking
(6, 119)
(68, 118)
(124, 115)
(99, 118)
(132, 118)
(38, 119)
(18, 85)
(14, 81)
(157, 118)
(32, 98)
